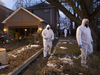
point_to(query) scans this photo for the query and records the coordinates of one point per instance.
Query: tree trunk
(94, 33)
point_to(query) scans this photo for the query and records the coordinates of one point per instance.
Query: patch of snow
(75, 57)
(35, 45)
(51, 65)
(1, 67)
(12, 55)
(64, 42)
(63, 47)
(23, 49)
(61, 66)
(19, 51)
(66, 60)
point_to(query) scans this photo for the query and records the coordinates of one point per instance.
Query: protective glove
(51, 40)
(46, 38)
(92, 42)
(80, 46)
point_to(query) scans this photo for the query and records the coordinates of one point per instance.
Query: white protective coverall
(50, 35)
(65, 32)
(84, 38)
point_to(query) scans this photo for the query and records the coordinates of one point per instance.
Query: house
(25, 22)
(48, 13)
(4, 13)
(22, 23)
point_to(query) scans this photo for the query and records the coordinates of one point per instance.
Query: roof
(40, 5)
(14, 13)
(6, 8)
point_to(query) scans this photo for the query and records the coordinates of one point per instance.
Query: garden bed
(17, 57)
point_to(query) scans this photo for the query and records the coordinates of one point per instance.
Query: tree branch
(65, 11)
(89, 2)
(85, 8)
(74, 7)
(95, 12)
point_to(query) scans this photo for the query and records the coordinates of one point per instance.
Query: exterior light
(57, 24)
(40, 29)
(25, 30)
(5, 29)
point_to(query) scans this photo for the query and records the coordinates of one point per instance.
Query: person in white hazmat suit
(85, 41)
(65, 32)
(48, 37)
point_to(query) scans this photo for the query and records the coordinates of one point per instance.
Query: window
(7, 13)
(46, 10)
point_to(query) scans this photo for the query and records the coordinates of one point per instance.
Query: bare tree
(64, 22)
(25, 3)
(1, 3)
(84, 10)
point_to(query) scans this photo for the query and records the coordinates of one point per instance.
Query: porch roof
(14, 13)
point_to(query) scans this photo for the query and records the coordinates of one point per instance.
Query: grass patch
(93, 61)
(71, 49)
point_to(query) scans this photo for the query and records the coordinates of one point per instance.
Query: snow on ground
(66, 60)
(49, 64)
(64, 42)
(70, 42)
(1, 67)
(12, 55)
(63, 47)
(23, 49)
(35, 45)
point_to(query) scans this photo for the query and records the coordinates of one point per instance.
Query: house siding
(16, 18)
(3, 15)
(50, 17)
(44, 15)
(28, 17)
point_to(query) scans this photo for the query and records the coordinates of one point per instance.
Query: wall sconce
(4, 29)
(40, 29)
(25, 30)
(57, 24)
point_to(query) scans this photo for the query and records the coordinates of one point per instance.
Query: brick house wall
(4, 13)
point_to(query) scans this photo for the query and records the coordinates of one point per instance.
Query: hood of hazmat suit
(83, 33)
(47, 34)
